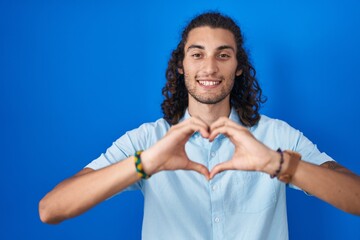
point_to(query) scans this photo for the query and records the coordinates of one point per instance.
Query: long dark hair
(246, 95)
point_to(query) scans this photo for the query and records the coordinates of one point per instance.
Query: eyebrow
(195, 46)
(222, 47)
(226, 47)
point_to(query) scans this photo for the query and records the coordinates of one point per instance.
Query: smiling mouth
(209, 83)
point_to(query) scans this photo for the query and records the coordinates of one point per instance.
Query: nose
(210, 66)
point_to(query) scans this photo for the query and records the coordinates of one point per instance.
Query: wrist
(139, 165)
(291, 162)
(148, 164)
(273, 163)
(282, 164)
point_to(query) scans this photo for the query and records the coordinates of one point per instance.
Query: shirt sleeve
(138, 139)
(289, 138)
(309, 151)
(120, 150)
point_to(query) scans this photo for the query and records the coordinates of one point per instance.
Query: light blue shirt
(234, 205)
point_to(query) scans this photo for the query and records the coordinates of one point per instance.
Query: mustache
(210, 77)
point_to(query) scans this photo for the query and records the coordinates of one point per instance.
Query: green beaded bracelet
(139, 167)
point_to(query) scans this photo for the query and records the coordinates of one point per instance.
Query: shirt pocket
(249, 192)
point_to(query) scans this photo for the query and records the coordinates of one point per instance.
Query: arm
(86, 189)
(329, 182)
(81, 192)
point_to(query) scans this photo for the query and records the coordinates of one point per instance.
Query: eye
(224, 56)
(196, 55)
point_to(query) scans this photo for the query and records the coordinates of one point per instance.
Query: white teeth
(209, 83)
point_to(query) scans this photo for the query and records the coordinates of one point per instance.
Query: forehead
(210, 37)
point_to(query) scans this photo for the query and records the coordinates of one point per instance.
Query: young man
(239, 160)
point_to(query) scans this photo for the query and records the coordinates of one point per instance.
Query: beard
(209, 98)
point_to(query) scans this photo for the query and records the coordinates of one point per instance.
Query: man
(238, 161)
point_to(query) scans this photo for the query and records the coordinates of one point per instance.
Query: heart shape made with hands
(249, 154)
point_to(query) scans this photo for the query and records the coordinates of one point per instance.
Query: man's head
(209, 66)
(245, 93)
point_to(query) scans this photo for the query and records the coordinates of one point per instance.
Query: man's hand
(250, 154)
(169, 153)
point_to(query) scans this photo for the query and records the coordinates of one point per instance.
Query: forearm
(340, 189)
(80, 193)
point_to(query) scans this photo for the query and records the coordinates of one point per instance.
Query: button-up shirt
(233, 205)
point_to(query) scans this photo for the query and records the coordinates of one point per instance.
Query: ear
(239, 72)
(180, 70)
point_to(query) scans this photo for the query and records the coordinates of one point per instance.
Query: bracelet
(138, 165)
(281, 163)
(292, 164)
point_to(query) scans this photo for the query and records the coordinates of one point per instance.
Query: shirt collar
(233, 116)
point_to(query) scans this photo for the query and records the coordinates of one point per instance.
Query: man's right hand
(169, 153)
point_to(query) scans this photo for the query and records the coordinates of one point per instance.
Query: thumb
(198, 168)
(220, 168)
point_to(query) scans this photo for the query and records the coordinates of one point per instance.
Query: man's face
(209, 65)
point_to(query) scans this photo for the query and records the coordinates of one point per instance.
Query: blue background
(75, 75)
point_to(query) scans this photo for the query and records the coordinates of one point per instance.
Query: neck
(209, 113)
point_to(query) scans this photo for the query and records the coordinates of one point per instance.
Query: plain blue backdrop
(75, 75)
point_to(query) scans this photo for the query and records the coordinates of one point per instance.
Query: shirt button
(214, 187)
(213, 154)
(217, 219)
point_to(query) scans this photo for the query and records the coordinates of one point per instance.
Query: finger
(194, 125)
(227, 130)
(220, 168)
(205, 129)
(225, 126)
(198, 168)
(184, 131)
(222, 121)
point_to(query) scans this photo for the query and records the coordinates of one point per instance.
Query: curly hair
(246, 95)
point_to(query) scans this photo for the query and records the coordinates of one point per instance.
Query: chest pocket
(249, 192)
